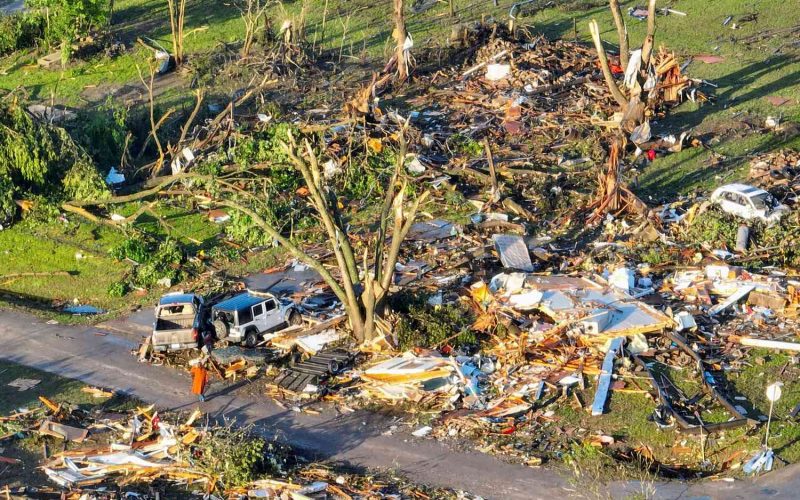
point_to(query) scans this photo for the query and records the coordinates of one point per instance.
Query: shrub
(164, 262)
(68, 20)
(242, 230)
(156, 261)
(7, 206)
(134, 248)
(102, 133)
(117, 289)
(714, 227)
(20, 31)
(233, 455)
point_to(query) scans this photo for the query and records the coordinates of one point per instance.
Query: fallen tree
(361, 282)
(39, 159)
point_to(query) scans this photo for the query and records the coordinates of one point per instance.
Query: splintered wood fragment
(546, 89)
(51, 405)
(604, 382)
(740, 294)
(97, 392)
(490, 159)
(193, 417)
(216, 367)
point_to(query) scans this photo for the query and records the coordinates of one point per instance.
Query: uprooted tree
(38, 159)
(361, 282)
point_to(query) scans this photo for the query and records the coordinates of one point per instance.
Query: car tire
(250, 339)
(221, 329)
(295, 319)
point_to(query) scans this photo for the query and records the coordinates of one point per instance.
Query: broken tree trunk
(176, 23)
(622, 32)
(609, 77)
(649, 40)
(400, 35)
(613, 196)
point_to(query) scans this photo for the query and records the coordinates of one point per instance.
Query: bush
(67, 20)
(134, 248)
(243, 231)
(20, 31)
(102, 133)
(265, 146)
(7, 206)
(233, 455)
(714, 227)
(117, 289)
(156, 261)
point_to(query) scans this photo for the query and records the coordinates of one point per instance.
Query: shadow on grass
(151, 18)
(27, 301)
(692, 169)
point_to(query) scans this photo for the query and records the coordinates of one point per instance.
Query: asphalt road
(101, 356)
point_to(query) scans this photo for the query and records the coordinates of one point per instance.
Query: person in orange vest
(199, 379)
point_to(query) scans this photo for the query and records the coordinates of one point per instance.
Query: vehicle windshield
(763, 201)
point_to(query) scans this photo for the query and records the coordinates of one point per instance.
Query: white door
(259, 318)
(273, 313)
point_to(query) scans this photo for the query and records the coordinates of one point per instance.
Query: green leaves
(69, 19)
(40, 159)
(234, 455)
(7, 206)
(20, 31)
(155, 262)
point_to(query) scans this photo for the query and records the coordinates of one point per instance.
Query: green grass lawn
(80, 249)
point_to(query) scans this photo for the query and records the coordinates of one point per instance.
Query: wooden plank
(604, 381)
(319, 327)
(764, 343)
(733, 299)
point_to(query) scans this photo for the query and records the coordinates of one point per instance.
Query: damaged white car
(748, 202)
